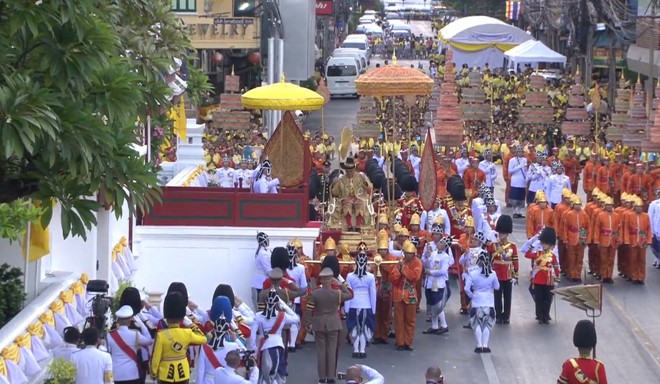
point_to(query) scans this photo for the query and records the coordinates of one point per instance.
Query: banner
(427, 175)
(324, 8)
(513, 9)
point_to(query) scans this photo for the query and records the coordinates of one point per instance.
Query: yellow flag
(178, 114)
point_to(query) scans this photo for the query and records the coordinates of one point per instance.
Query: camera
(248, 358)
(101, 304)
(341, 376)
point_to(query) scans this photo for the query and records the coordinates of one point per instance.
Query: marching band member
(480, 284)
(545, 272)
(505, 265)
(361, 308)
(270, 348)
(169, 363)
(436, 261)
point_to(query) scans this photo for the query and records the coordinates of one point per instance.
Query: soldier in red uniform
(505, 264)
(409, 203)
(545, 273)
(584, 369)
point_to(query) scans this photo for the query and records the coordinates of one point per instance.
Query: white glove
(138, 321)
(187, 322)
(514, 281)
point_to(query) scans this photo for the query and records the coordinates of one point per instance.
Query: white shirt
(372, 376)
(398, 253)
(437, 265)
(380, 160)
(262, 268)
(92, 366)
(364, 292)
(225, 177)
(125, 368)
(262, 325)
(518, 172)
(65, 351)
(428, 218)
(246, 175)
(297, 274)
(469, 259)
(491, 172)
(554, 186)
(416, 162)
(264, 185)
(538, 174)
(228, 375)
(654, 215)
(481, 289)
(205, 370)
(462, 164)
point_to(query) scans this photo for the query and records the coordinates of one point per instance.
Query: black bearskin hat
(279, 258)
(131, 297)
(504, 224)
(179, 287)
(456, 188)
(224, 290)
(584, 335)
(408, 184)
(174, 306)
(331, 262)
(548, 236)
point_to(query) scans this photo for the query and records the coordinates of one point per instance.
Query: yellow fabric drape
(36, 329)
(84, 278)
(479, 47)
(57, 306)
(39, 240)
(3, 368)
(66, 296)
(178, 115)
(124, 241)
(24, 340)
(47, 318)
(77, 288)
(12, 353)
(116, 251)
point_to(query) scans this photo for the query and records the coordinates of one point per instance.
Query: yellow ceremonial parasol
(282, 96)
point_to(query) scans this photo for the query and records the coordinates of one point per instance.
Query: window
(342, 70)
(244, 8)
(184, 5)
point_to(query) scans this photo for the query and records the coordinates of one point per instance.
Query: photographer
(92, 365)
(229, 374)
(354, 375)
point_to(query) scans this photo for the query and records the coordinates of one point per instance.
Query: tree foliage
(77, 79)
(492, 8)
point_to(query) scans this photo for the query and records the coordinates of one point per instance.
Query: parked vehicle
(340, 74)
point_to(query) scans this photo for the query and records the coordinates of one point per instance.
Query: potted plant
(61, 371)
(12, 293)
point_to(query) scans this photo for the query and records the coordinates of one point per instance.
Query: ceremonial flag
(513, 9)
(427, 176)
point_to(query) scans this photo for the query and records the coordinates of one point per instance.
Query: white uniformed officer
(225, 175)
(123, 345)
(92, 366)
(71, 340)
(243, 176)
(264, 183)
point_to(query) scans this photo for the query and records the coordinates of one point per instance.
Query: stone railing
(26, 340)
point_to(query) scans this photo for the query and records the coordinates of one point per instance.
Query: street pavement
(523, 352)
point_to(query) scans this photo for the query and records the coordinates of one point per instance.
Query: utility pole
(653, 43)
(612, 70)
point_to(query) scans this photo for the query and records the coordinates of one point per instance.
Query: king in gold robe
(353, 192)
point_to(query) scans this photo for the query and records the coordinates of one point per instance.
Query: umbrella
(282, 96)
(392, 80)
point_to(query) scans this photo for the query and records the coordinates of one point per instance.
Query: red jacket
(545, 267)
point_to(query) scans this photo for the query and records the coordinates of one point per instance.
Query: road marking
(490, 368)
(636, 328)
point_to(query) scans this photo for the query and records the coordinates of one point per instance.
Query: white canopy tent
(533, 52)
(477, 40)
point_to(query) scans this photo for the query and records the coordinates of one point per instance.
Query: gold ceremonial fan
(345, 143)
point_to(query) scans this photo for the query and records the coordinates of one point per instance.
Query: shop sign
(324, 8)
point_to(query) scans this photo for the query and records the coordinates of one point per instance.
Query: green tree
(492, 8)
(77, 79)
